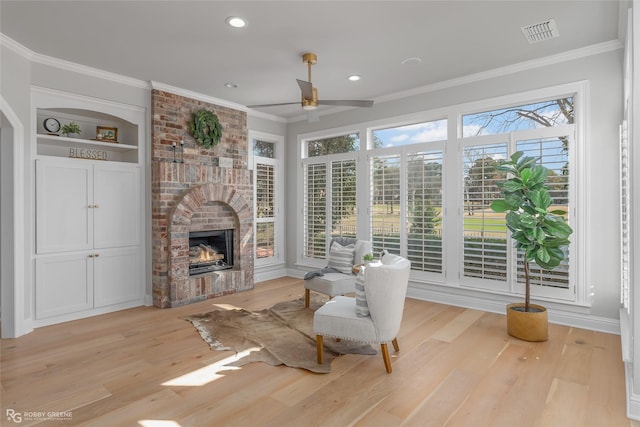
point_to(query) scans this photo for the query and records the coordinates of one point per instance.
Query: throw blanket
(321, 272)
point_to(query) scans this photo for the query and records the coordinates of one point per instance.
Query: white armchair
(385, 288)
(338, 283)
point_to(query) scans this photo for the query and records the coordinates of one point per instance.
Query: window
(405, 211)
(554, 112)
(343, 198)
(489, 258)
(385, 203)
(484, 232)
(424, 209)
(333, 145)
(428, 192)
(330, 173)
(315, 210)
(267, 194)
(416, 133)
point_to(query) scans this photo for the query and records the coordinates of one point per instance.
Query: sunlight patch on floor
(209, 373)
(226, 306)
(158, 423)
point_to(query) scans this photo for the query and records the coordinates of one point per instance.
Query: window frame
(278, 220)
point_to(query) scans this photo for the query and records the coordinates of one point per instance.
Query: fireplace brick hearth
(195, 194)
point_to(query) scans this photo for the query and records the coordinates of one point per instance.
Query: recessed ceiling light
(354, 77)
(231, 85)
(414, 60)
(236, 22)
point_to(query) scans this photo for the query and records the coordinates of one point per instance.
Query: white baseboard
(260, 274)
(561, 314)
(633, 400)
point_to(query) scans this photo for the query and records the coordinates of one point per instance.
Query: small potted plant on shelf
(71, 129)
(367, 258)
(539, 233)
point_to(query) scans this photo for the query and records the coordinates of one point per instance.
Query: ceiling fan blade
(306, 88)
(346, 103)
(272, 105)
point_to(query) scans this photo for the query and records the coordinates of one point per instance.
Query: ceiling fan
(310, 99)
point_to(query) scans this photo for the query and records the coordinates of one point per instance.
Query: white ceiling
(187, 44)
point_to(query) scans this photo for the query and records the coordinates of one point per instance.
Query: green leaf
(540, 199)
(524, 163)
(499, 205)
(539, 174)
(516, 156)
(528, 220)
(513, 184)
(558, 212)
(542, 255)
(556, 227)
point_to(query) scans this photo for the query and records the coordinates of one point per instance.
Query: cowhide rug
(282, 334)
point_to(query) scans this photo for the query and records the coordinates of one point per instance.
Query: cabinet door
(63, 196)
(117, 276)
(117, 200)
(64, 284)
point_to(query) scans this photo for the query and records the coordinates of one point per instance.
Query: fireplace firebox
(210, 251)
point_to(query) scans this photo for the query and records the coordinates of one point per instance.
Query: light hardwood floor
(456, 367)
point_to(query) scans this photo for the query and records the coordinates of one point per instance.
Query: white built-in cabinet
(89, 210)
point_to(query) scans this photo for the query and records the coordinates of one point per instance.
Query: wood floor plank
(456, 367)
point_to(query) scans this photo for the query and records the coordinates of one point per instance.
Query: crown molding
(212, 100)
(509, 69)
(68, 65)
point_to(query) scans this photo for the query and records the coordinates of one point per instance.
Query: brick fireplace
(192, 194)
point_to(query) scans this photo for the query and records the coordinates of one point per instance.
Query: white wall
(604, 73)
(6, 216)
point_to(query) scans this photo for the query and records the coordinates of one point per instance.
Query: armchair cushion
(337, 318)
(341, 257)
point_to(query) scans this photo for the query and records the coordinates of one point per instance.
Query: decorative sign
(87, 153)
(225, 162)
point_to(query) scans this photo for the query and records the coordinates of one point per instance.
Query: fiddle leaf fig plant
(540, 233)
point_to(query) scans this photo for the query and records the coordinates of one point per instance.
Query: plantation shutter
(343, 198)
(315, 210)
(424, 207)
(385, 203)
(484, 231)
(265, 210)
(551, 153)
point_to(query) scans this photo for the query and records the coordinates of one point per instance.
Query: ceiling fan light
(353, 78)
(309, 107)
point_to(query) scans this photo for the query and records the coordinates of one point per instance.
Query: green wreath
(205, 128)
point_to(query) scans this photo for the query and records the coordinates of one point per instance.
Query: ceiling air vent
(541, 31)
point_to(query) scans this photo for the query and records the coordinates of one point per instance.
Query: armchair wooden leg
(385, 357)
(319, 348)
(306, 298)
(395, 344)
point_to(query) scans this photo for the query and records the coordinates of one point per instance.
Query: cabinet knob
(90, 255)
(96, 255)
(96, 206)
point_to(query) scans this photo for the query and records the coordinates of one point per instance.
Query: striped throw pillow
(341, 257)
(362, 308)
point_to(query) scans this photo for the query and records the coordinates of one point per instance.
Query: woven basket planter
(527, 326)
